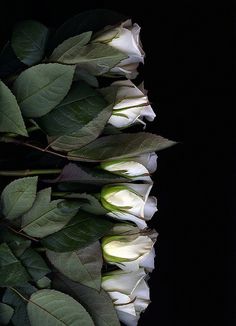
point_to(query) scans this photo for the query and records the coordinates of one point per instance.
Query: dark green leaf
(76, 187)
(83, 265)
(68, 50)
(18, 197)
(41, 88)
(20, 317)
(93, 20)
(29, 41)
(120, 146)
(46, 217)
(85, 135)
(89, 204)
(80, 232)
(11, 270)
(34, 264)
(111, 130)
(74, 173)
(77, 110)
(44, 283)
(9, 63)
(17, 243)
(81, 74)
(6, 313)
(97, 58)
(55, 308)
(10, 115)
(98, 304)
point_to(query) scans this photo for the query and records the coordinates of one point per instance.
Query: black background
(188, 74)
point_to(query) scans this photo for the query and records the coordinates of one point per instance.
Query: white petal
(152, 163)
(123, 216)
(150, 207)
(119, 297)
(124, 118)
(127, 168)
(127, 23)
(126, 200)
(141, 305)
(149, 160)
(148, 261)
(141, 291)
(136, 35)
(129, 266)
(128, 249)
(126, 42)
(126, 68)
(129, 95)
(121, 281)
(142, 189)
(148, 113)
(127, 318)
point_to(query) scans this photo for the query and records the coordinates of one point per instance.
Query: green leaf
(55, 308)
(11, 270)
(97, 58)
(83, 136)
(20, 316)
(10, 114)
(80, 119)
(80, 232)
(81, 74)
(91, 204)
(44, 283)
(17, 243)
(81, 105)
(46, 217)
(111, 130)
(98, 304)
(41, 88)
(83, 265)
(18, 197)
(29, 41)
(82, 174)
(92, 20)
(9, 63)
(120, 146)
(34, 264)
(6, 313)
(67, 50)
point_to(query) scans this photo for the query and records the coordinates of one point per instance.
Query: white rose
(149, 160)
(129, 202)
(129, 292)
(129, 249)
(126, 39)
(131, 105)
(136, 168)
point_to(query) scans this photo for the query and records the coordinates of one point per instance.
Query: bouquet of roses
(75, 248)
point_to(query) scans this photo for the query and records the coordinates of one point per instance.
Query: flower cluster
(79, 242)
(129, 247)
(131, 104)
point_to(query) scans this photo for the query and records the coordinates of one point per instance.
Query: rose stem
(29, 172)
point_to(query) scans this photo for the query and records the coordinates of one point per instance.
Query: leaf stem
(18, 293)
(60, 194)
(29, 172)
(22, 234)
(20, 142)
(33, 128)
